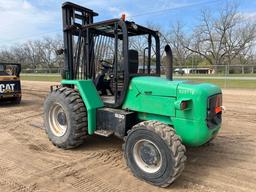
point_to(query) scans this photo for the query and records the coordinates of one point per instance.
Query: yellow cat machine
(10, 87)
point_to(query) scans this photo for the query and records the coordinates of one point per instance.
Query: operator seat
(3, 73)
(133, 61)
(133, 65)
(102, 84)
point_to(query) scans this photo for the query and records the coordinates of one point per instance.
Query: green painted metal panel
(155, 98)
(149, 116)
(156, 85)
(193, 133)
(151, 95)
(198, 94)
(191, 124)
(91, 100)
(158, 99)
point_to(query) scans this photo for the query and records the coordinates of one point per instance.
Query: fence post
(226, 75)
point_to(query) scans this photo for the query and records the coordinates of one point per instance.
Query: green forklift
(104, 93)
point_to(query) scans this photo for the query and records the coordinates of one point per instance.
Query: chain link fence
(52, 70)
(226, 76)
(218, 70)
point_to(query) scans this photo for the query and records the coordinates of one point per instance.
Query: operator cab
(9, 71)
(118, 57)
(107, 52)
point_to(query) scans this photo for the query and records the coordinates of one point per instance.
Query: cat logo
(6, 88)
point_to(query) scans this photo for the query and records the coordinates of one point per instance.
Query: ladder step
(104, 133)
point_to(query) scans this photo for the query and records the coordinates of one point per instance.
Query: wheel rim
(147, 156)
(58, 120)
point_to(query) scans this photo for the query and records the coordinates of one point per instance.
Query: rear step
(104, 133)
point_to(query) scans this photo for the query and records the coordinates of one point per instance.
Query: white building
(200, 70)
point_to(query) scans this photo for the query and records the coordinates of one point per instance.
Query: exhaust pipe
(169, 59)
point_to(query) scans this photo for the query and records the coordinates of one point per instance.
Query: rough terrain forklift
(10, 89)
(104, 93)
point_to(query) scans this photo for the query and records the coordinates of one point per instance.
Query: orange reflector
(218, 109)
(183, 105)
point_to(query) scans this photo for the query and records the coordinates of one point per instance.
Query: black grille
(214, 116)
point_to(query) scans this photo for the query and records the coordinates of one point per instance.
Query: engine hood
(155, 86)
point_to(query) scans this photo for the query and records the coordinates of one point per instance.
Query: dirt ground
(29, 162)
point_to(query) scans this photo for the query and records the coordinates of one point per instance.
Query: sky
(23, 20)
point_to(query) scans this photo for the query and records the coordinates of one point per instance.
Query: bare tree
(221, 38)
(177, 40)
(6, 56)
(31, 52)
(47, 55)
(240, 43)
(139, 43)
(35, 54)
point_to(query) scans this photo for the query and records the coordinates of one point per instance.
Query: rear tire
(16, 100)
(65, 118)
(154, 153)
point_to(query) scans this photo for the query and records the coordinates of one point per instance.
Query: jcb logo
(7, 87)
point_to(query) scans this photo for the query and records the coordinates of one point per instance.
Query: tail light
(183, 105)
(214, 111)
(218, 107)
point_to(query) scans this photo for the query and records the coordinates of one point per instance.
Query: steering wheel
(104, 77)
(106, 64)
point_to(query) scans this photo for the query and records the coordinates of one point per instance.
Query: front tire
(65, 118)
(16, 100)
(154, 153)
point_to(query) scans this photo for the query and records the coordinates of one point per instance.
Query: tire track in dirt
(29, 162)
(7, 182)
(219, 183)
(111, 159)
(9, 166)
(9, 185)
(94, 184)
(39, 94)
(13, 121)
(79, 172)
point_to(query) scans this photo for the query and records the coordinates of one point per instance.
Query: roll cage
(88, 44)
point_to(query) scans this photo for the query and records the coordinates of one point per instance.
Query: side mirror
(59, 51)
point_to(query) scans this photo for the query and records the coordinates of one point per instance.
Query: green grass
(246, 84)
(38, 77)
(218, 75)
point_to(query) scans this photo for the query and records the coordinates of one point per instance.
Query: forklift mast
(74, 17)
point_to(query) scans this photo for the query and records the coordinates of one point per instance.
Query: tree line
(223, 38)
(35, 54)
